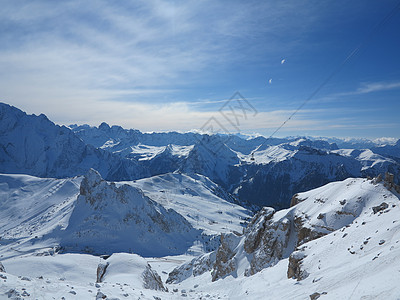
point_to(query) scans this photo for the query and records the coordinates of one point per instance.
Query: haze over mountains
(106, 212)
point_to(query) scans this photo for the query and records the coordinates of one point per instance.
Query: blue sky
(171, 65)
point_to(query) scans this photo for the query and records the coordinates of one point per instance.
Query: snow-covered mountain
(31, 207)
(40, 218)
(166, 214)
(34, 145)
(108, 218)
(258, 171)
(339, 240)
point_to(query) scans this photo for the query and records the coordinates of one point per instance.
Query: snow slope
(74, 276)
(202, 202)
(32, 207)
(341, 241)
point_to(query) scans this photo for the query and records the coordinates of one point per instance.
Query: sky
(220, 66)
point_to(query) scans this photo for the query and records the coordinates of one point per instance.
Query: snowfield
(351, 252)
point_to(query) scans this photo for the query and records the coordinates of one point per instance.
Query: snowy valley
(110, 213)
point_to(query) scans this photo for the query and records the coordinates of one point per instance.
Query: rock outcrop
(294, 267)
(390, 184)
(101, 270)
(224, 262)
(196, 267)
(2, 269)
(152, 281)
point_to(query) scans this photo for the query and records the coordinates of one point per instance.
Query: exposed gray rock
(13, 294)
(196, 267)
(2, 269)
(315, 296)
(294, 267)
(224, 264)
(381, 207)
(377, 179)
(100, 296)
(152, 281)
(389, 182)
(101, 270)
(389, 178)
(294, 200)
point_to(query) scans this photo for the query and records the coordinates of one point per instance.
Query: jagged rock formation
(152, 281)
(196, 267)
(224, 264)
(110, 218)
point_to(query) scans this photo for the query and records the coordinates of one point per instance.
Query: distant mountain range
(109, 213)
(256, 171)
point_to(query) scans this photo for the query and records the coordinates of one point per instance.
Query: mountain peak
(104, 126)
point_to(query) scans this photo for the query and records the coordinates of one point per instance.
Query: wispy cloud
(363, 89)
(135, 46)
(377, 87)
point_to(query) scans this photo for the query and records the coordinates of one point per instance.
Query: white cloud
(365, 88)
(377, 87)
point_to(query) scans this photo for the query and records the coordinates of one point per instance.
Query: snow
(259, 171)
(197, 198)
(356, 260)
(271, 154)
(31, 208)
(368, 158)
(177, 222)
(329, 261)
(108, 218)
(145, 152)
